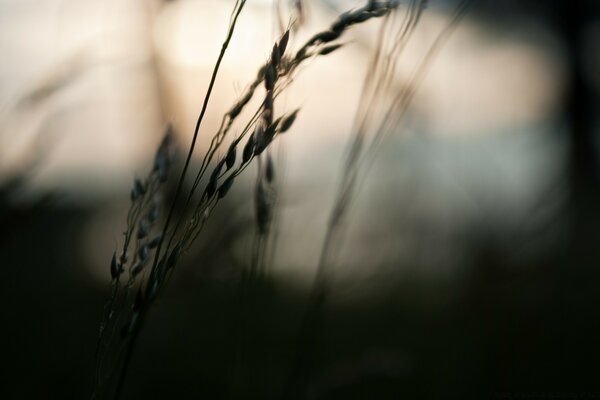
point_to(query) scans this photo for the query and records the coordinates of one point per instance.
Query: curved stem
(239, 6)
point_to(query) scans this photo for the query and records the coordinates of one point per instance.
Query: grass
(141, 270)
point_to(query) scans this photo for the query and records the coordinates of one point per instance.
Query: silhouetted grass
(127, 310)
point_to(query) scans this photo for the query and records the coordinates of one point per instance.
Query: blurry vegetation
(504, 325)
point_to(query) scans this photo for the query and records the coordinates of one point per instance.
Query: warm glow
(190, 33)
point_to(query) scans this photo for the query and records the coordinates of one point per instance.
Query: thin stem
(237, 10)
(133, 339)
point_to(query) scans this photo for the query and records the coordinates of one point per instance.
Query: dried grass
(156, 252)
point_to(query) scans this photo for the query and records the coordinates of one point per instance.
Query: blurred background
(469, 263)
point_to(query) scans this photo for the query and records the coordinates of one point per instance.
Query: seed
(269, 105)
(225, 186)
(137, 190)
(218, 168)
(329, 49)
(152, 289)
(261, 145)
(248, 149)
(267, 116)
(326, 36)
(275, 56)
(237, 109)
(342, 22)
(143, 228)
(162, 159)
(283, 42)
(270, 77)
(143, 253)
(137, 269)
(362, 17)
(115, 268)
(173, 257)
(154, 212)
(288, 121)
(154, 242)
(211, 188)
(301, 54)
(270, 133)
(230, 160)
